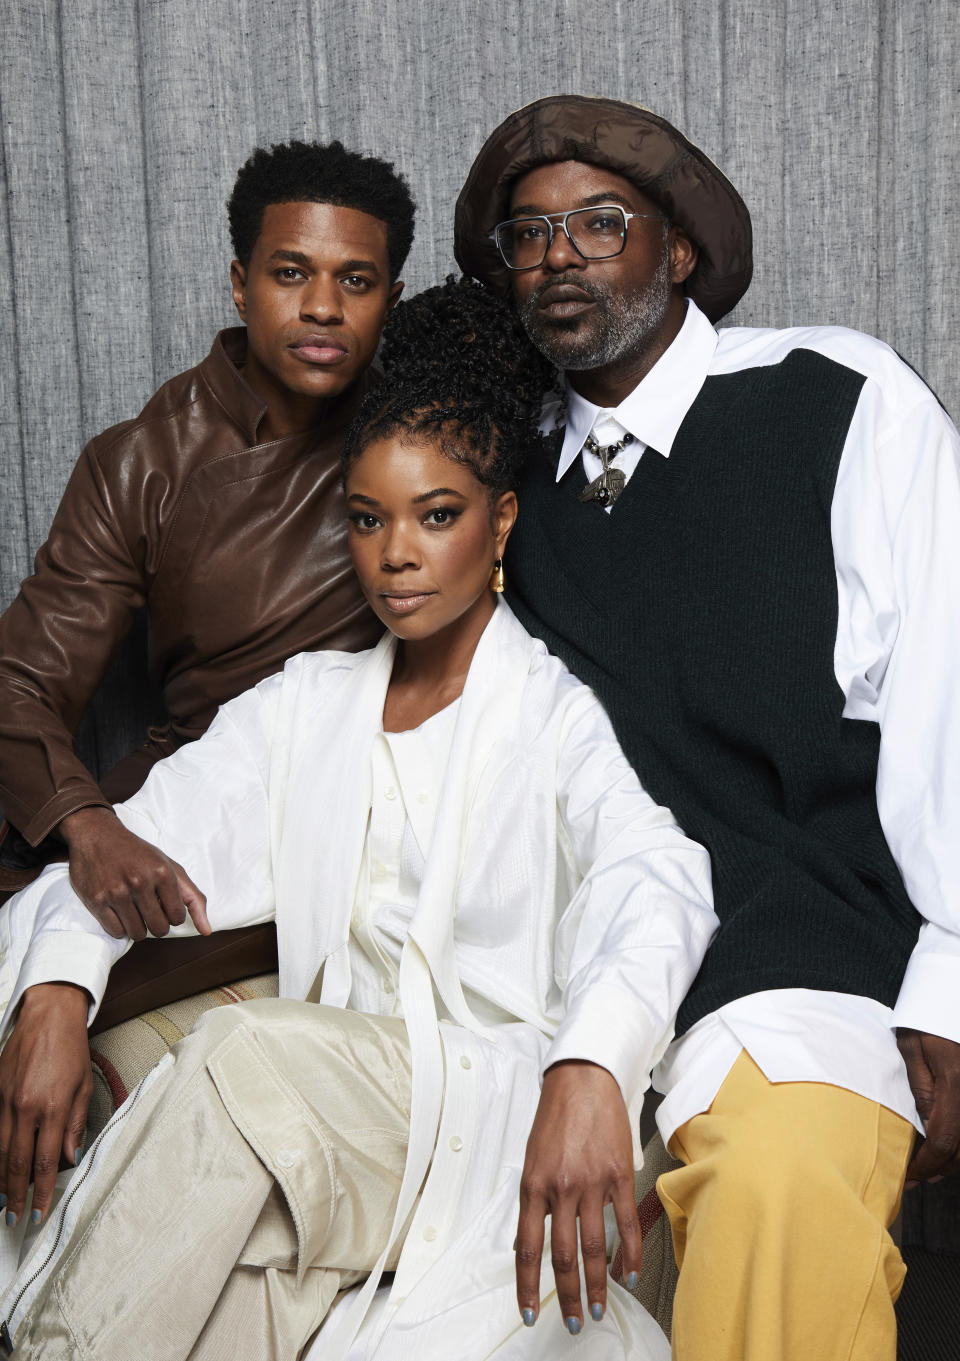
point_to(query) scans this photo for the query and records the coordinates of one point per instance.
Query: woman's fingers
(579, 1158)
(566, 1267)
(631, 1238)
(6, 1133)
(577, 1236)
(529, 1252)
(20, 1162)
(593, 1251)
(46, 1164)
(45, 1086)
(76, 1127)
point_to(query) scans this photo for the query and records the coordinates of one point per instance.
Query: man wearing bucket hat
(748, 547)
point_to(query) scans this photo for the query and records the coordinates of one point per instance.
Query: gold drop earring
(496, 577)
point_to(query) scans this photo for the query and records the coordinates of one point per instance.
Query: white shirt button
(388, 987)
(286, 1157)
(456, 1143)
(390, 792)
(465, 1062)
(429, 1234)
(423, 797)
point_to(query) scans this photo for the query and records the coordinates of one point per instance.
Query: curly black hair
(461, 371)
(311, 172)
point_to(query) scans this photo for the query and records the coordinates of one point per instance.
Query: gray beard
(626, 325)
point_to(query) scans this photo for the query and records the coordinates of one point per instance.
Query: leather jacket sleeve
(56, 641)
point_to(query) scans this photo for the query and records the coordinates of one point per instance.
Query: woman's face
(424, 535)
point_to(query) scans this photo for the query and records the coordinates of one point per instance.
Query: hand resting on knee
(45, 1089)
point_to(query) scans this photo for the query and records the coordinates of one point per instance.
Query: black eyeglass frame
(494, 236)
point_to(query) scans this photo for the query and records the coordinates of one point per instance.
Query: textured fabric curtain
(124, 122)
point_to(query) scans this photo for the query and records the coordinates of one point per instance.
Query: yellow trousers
(780, 1220)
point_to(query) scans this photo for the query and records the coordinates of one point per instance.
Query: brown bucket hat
(635, 143)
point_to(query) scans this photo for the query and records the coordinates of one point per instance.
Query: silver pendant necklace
(607, 487)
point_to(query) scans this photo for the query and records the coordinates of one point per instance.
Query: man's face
(594, 314)
(314, 297)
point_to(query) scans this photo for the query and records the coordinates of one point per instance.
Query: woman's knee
(212, 1027)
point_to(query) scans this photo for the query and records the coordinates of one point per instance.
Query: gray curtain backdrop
(124, 122)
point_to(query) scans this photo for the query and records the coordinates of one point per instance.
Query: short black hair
(314, 172)
(460, 371)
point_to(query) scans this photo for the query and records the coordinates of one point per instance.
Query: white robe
(579, 909)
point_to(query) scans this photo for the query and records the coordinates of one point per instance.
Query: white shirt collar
(653, 412)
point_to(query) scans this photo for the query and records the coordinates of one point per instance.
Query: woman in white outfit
(485, 928)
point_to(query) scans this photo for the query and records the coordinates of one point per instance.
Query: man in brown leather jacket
(219, 509)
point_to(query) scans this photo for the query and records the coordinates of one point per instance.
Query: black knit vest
(703, 613)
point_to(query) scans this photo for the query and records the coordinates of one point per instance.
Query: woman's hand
(579, 1158)
(45, 1089)
(129, 886)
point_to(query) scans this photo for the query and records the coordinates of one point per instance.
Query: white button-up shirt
(895, 526)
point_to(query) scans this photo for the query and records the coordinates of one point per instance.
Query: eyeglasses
(596, 233)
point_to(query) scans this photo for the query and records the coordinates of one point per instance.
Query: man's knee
(802, 1152)
(757, 1180)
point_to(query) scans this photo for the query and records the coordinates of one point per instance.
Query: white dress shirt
(895, 526)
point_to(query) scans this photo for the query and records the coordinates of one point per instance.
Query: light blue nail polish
(3, 1200)
(596, 1311)
(36, 1216)
(77, 1155)
(631, 1281)
(529, 1318)
(573, 1325)
(11, 1219)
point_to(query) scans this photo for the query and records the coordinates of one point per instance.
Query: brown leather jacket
(237, 549)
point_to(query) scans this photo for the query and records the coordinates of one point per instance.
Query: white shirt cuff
(607, 1027)
(63, 957)
(930, 993)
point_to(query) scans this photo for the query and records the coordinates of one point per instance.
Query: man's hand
(933, 1067)
(45, 1089)
(579, 1158)
(127, 884)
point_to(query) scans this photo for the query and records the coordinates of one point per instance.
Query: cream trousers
(255, 1178)
(780, 1223)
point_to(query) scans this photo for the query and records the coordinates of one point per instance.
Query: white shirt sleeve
(896, 535)
(632, 939)
(206, 807)
(48, 936)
